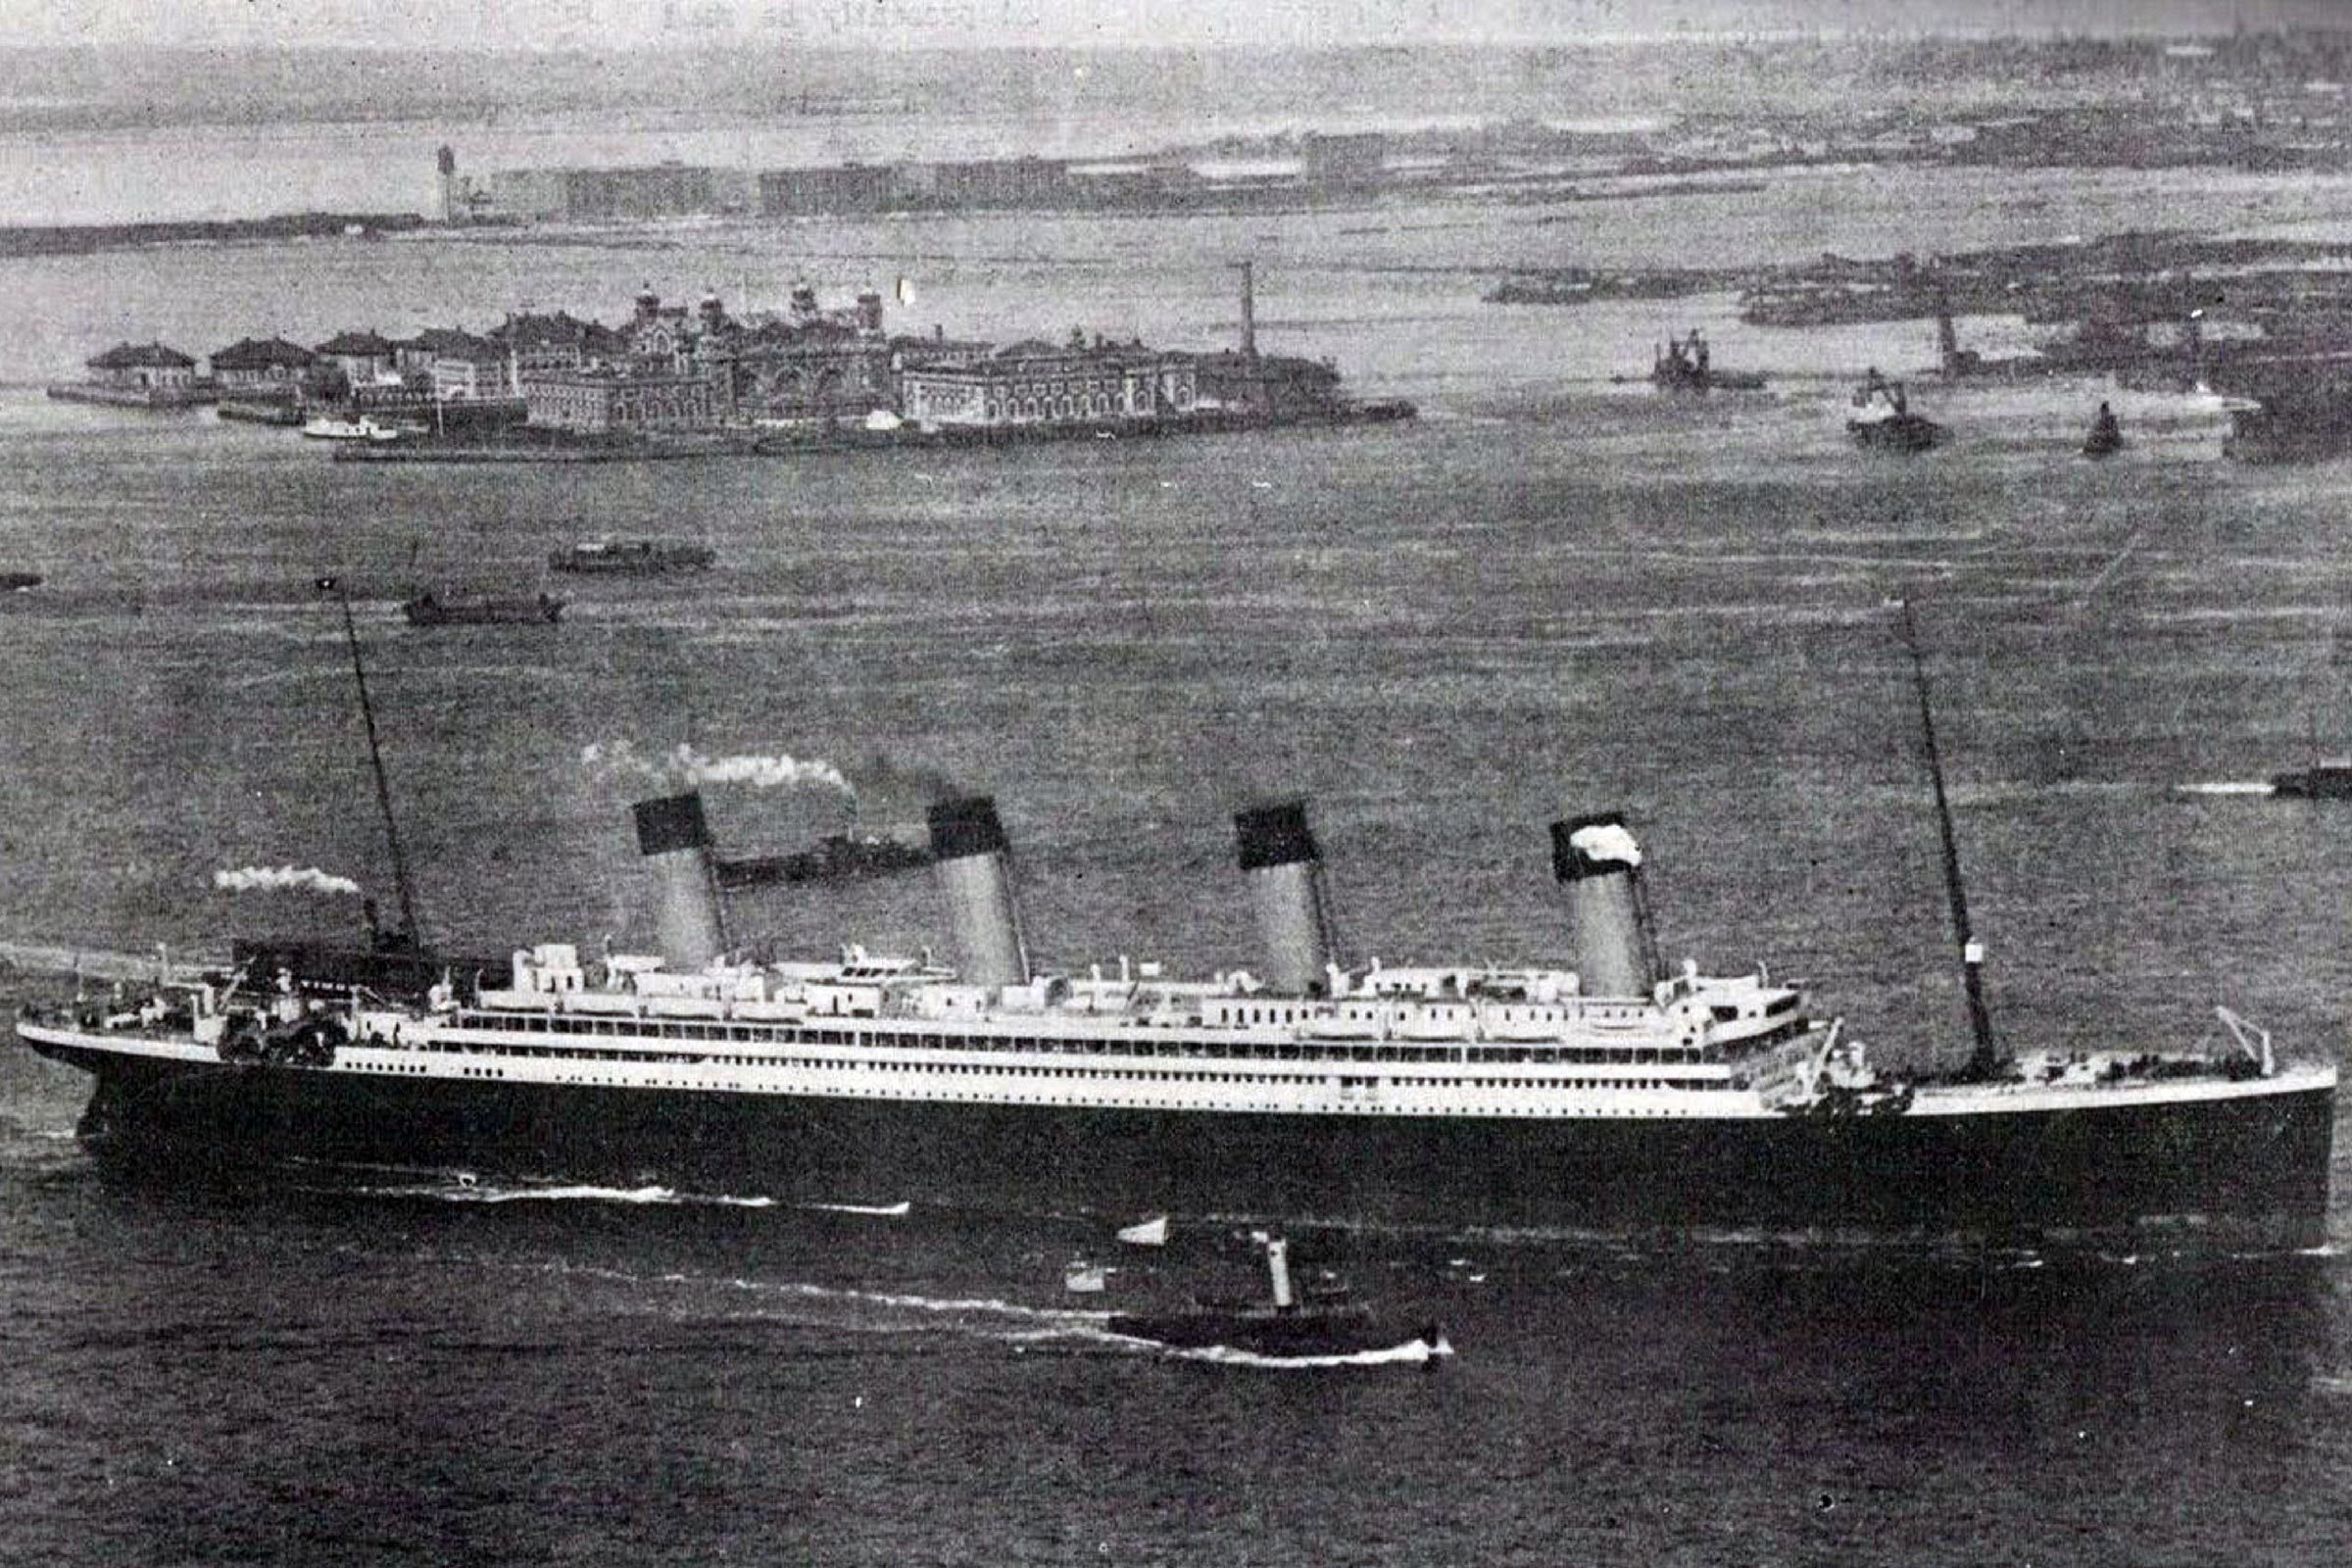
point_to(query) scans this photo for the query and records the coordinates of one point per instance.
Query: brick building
(143, 368)
(364, 358)
(1034, 384)
(613, 401)
(261, 366)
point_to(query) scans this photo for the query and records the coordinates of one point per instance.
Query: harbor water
(1550, 594)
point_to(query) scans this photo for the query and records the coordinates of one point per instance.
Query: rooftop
(260, 353)
(530, 329)
(357, 343)
(452, 342)
(141, 356)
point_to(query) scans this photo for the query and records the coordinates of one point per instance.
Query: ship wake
(1412, 1353)
(845, 1309)
(466, 1189)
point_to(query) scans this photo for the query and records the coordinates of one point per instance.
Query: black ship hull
(2245, 1168)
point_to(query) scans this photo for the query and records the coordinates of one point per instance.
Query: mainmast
(1986, 1054)
(375, 761)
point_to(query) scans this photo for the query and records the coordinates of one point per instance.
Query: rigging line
(1986, 1054)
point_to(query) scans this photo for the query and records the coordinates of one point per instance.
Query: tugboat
(431, 609)
(1682, 365)
(1286, 1328)
(2322, 781)
(1884, 421)
(2106, 437)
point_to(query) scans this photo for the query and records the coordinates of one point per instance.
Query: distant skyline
(593, 24)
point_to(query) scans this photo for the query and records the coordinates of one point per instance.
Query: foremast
(408, 937)
(1986, 1056)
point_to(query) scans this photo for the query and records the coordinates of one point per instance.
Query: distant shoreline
(80, 239)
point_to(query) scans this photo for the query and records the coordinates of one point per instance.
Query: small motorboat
(431, 609)
(1322, 1326)
(1084, 1277)
(632, 556)
(2106, 437)
(16, 583)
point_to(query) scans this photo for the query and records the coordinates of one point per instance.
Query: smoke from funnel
(285, 878)
(1598, 866)
(1277, 854)
(675, 842)
(973, 856)
(683, 767)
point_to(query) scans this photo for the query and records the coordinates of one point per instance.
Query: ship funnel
(675, 842)
(1277, 854)
(1598, 866)
(968, 844)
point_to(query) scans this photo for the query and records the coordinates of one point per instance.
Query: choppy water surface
(1546, 594)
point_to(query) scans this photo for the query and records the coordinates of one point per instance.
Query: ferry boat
(331, 428)
(632, 556)
(432, 610)
(835, 857)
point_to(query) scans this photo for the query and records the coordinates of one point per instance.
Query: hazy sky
(546, 24)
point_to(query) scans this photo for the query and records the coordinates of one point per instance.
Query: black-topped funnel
(1278, 855)
(675, 841)
(974, 862)
(1597, 863)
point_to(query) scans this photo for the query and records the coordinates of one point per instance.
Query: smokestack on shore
(1278, 855)
(974, 859)
(675, 842)
(1598, 866)
(1248, 311)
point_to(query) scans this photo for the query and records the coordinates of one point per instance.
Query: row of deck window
(1098, 1074)
(1081, 1044)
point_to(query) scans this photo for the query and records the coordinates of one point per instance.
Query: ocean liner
(1606, 1094)
(1609, 1094)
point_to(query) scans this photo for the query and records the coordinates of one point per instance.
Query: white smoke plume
(1607, 841)
(282, 878)
(684, 765)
